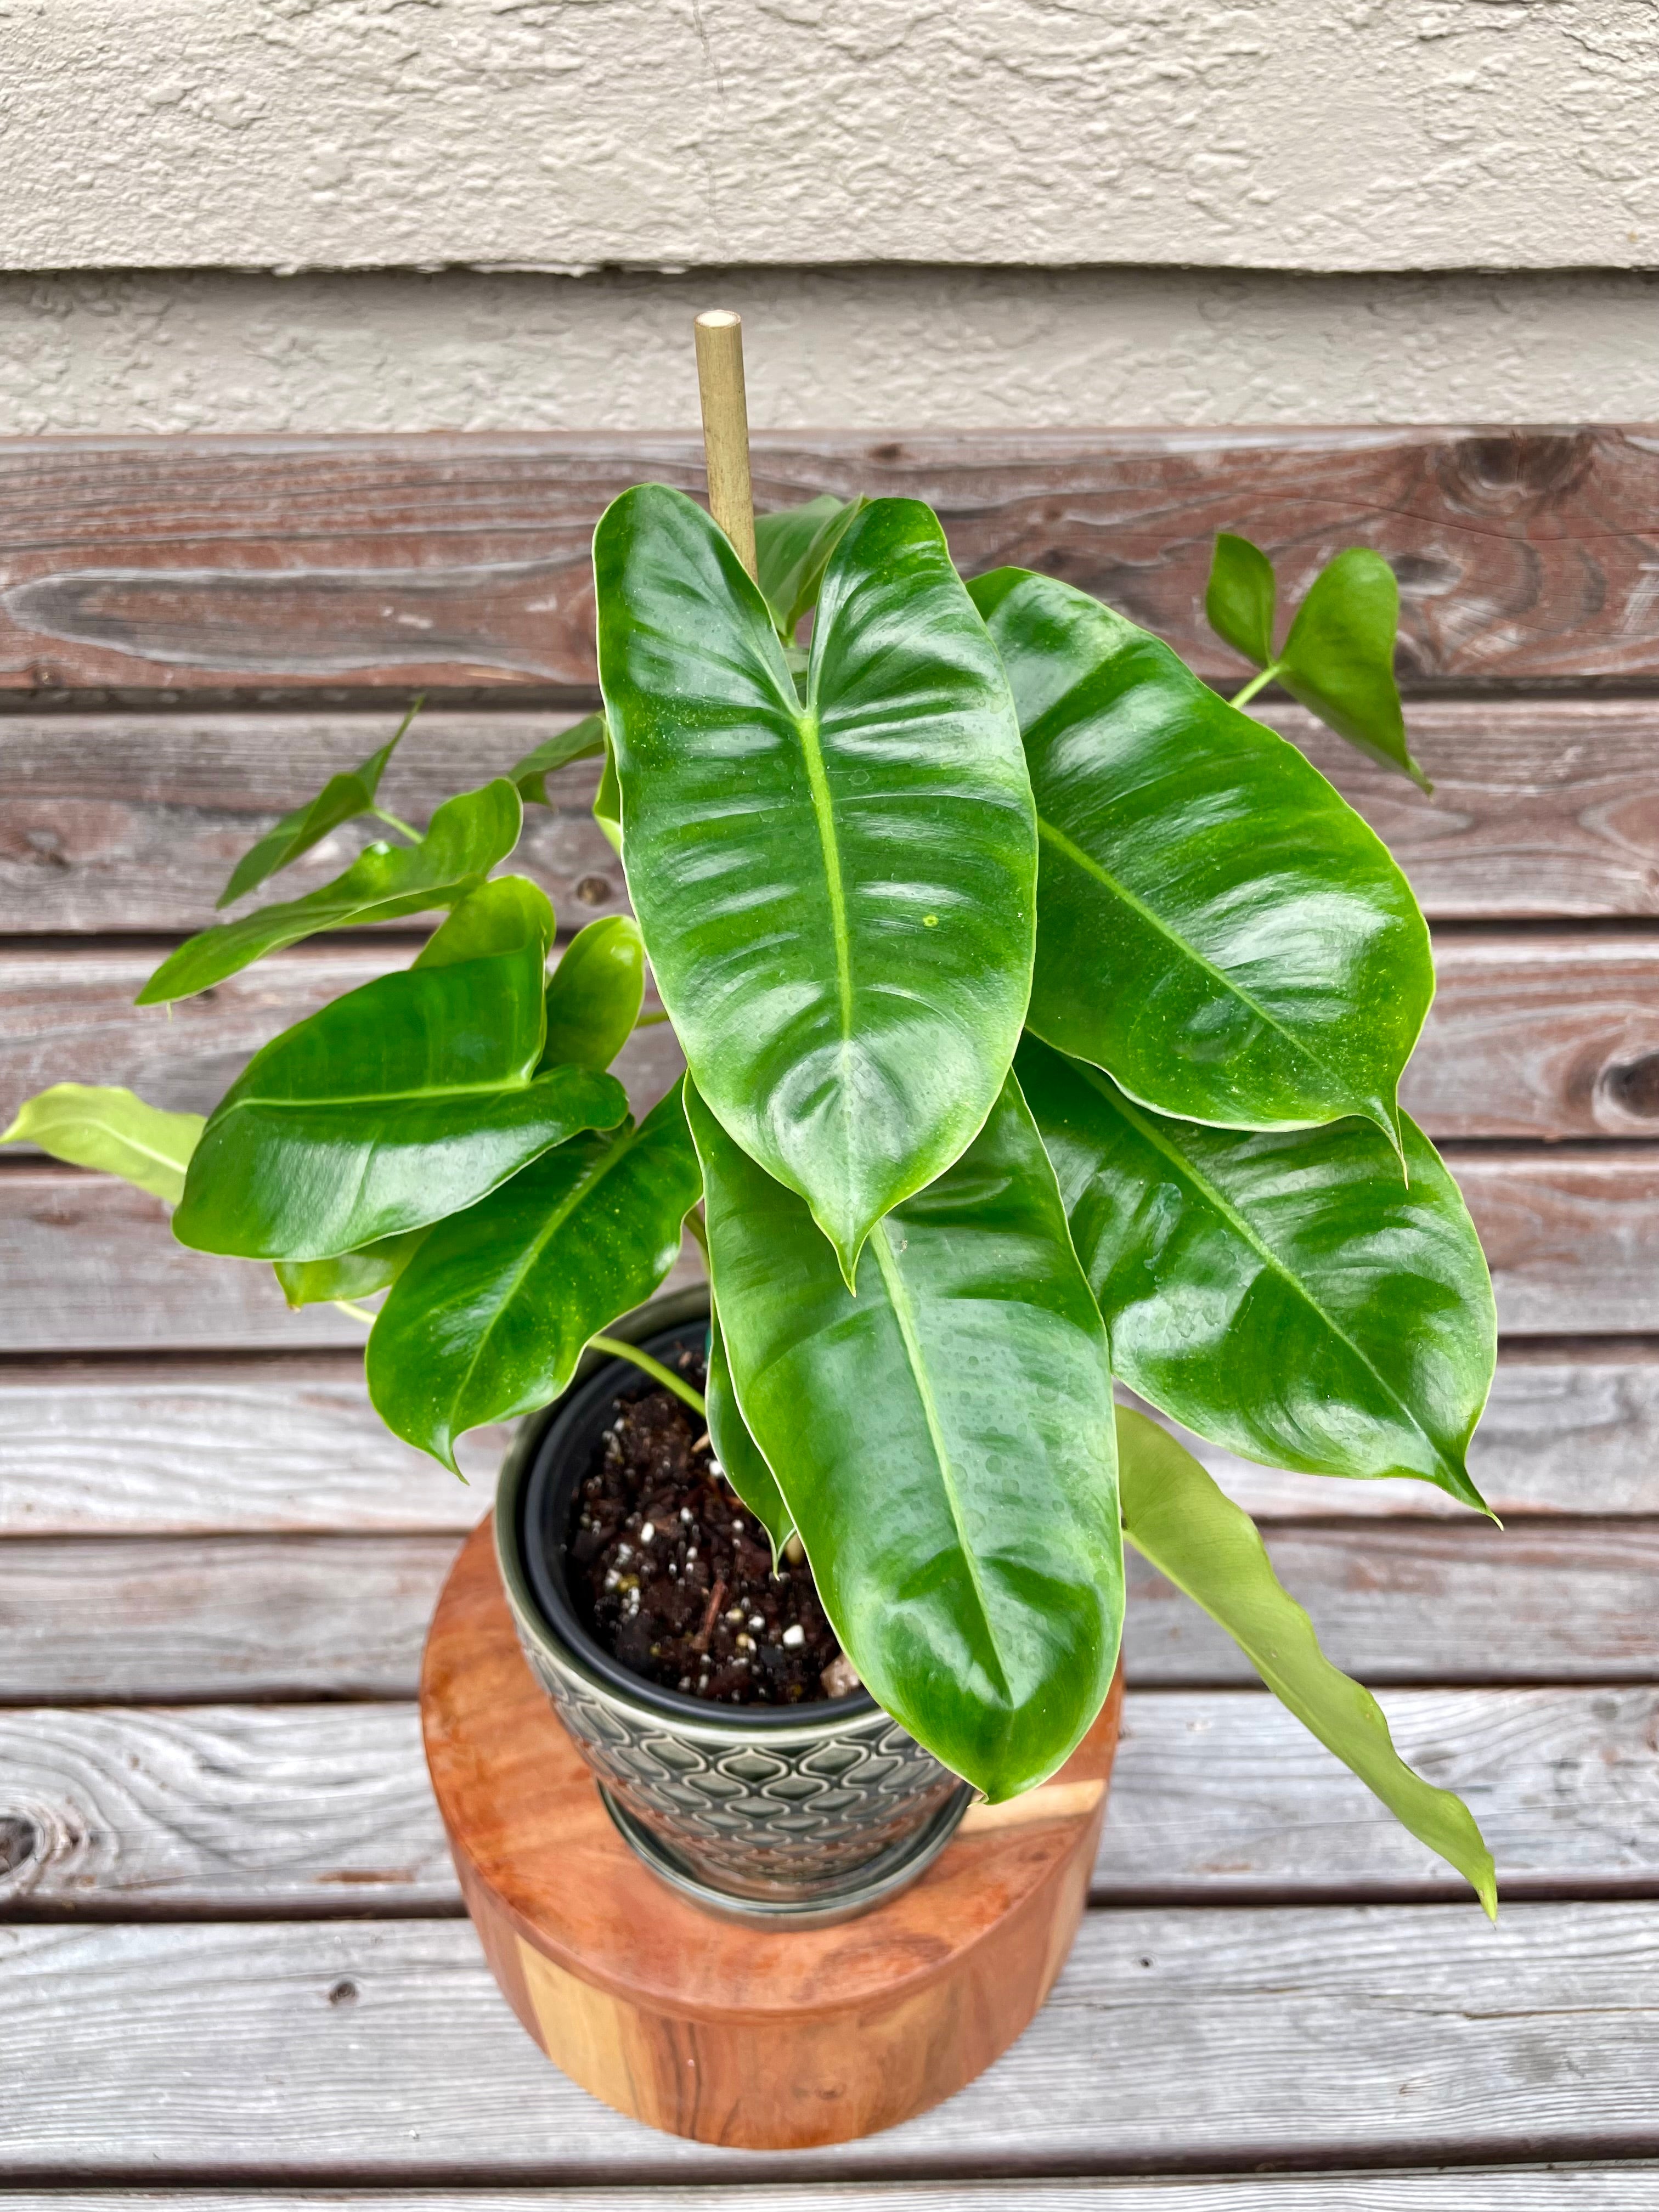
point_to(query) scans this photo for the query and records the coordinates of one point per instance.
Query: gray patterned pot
(802, 1814)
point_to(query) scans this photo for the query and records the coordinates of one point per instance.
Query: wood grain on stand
(189, 564)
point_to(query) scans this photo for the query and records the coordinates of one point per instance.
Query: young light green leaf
(1241, 598)
(467, 837)
(583, 740)
(341, 799)
(490, 1317)
(108, 1128)
(791, 549)
(742, 1461)
(1215, 926)
(500, 916)
(1174, 1514)
(1287, 1295)
(399, 1103)
(349, 1275)
(1338, 660)
(607, 802)
(943, 1440)
(594, 994)
(836, 894)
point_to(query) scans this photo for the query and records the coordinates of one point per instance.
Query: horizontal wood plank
(1402, 1603)
(1229, 2037)
(1531, 1035)
(1621, 2188)
(188, 563)
(184, 1444)
(127, 821)
(1571, 1235)
(1217, 1796)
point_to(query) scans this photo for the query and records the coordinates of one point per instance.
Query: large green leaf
(792, 551)
(395, 1105)
(1288, 1296)
(593, 995)
(108, 1128)
(943, 1440)
(500, 916)
(742, 1461)
(836, 896)
(341, 799)
(467, 837)
(1339, 658)
(490, 1317)
(1175, 1515)
(349, 1274)
(583, 740)
(1215, 925)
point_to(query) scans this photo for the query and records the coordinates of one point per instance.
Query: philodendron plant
(1044, 1015)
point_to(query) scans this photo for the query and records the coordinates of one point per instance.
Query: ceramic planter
(802, 1814)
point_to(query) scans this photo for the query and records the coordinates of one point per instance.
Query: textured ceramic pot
(797, 1813)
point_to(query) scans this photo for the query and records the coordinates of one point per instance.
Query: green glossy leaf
(1215, 925)
(836, 895)
(1174, 1513)
(490, 1317)
(1287, 1295)
(467, 837)
(791, 549)
(349, 1274)
(943, 1440)
(108, 1128)
(607, 802)
(1339, 658)
(341, 799)
(583, 740)
(742, 1461)
(594, 994)
(1241, 597)
(502, 915)
(396, 1104)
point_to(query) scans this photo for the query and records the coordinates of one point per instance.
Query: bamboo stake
(726, 427)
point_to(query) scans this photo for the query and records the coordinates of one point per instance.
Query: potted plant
(1044, 1015)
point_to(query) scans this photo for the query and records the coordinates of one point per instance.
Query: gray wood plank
(1571, 1235)
(1624, 2188)
(1217, 1796)
(1531, 1035)
(1406, 1603)
(1228, 2036)
(176, 1618)
(127, 821)
(176, 1444)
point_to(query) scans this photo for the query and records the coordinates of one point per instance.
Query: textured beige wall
(913, 348)
(1308, 134)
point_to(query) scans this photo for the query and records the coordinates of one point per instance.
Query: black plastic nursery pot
(799, 1815)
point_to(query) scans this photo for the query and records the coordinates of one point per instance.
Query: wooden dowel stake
(725, 429)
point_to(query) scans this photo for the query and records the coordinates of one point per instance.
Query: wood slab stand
(757, 2039)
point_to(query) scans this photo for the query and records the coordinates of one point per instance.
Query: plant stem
(403, 828)
(699, 1228)
(1256, 684)
(655, 1368)
(649, 1021)
(357, 1313)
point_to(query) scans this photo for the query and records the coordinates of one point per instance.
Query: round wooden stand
(734, 2035)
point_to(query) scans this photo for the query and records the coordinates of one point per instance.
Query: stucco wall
(996, 211)
(883, 347)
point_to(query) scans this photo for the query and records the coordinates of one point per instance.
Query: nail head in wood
(725, 429)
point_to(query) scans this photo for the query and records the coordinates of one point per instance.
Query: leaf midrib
(1224, 1206)
(898, 1297)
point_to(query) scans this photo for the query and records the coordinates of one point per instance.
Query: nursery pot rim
(559, 1628)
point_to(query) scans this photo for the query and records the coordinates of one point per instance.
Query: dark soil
(669, 1571)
